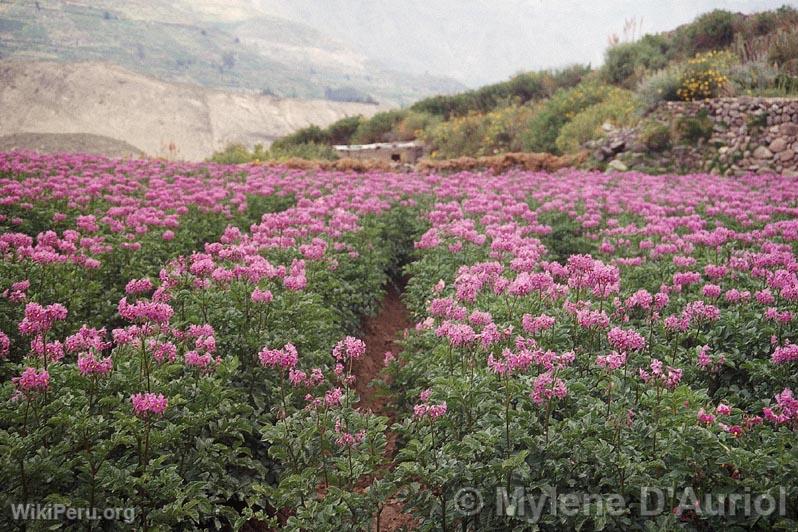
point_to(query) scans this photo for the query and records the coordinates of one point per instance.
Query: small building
(392, 152)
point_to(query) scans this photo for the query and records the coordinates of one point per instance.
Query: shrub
(310, 151)
(618, 108)
(710, 31)
(378, 128)
(660, 86)
(624, 63)
(753, 78)
(414, 123)
(692, 129)
(704, 76)
(784, 52)
(341, 132)
(312, 134)
(479, 134)
(238, 154)
(522, 88)
(656, 137)
(544, 126)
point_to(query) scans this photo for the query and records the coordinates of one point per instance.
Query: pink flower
(138, 286)
(148, 403)
(285, 358)
(162, 351)
(31, 381)
(711, 290)
(388, 358)
(612, 361)
(334, 397)
(205, 362)
(641, 299)
(705, 418)
(723, 409)
(89, 365)
(425, 395)
(547, 386)
(669, 379)
(536, 324)
(786, 408)
(5, 345)
(433, 411)
(87, 338)
(347, 439)
(261, 296)
(297, 377)
(784, 354)
(39, 319)
(350, 348)
(145, 311)
(626, 340)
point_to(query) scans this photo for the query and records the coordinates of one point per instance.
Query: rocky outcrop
(745, 135)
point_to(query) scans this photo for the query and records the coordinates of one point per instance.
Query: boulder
(786, 155)
(617, 165)
(762, 153)
(789, 130)
(779, 144)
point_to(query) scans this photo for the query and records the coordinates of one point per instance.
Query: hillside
(572, 110)
(151, 115)
(228, 45)
(68, 143)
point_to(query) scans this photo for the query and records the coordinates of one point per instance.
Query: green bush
(692, 129)
(656, 137)
(710, 31)
(544, 127)
(618, 108)
(238, 154)
(311, 152)
(520, 89)
(660, 86)
(624, 63)
(341, 132)
(414, 123)
(784, 52)
(479, 133)
(378, 128)
(753, 78)
(312, 134)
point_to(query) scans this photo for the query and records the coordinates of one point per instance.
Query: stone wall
(749, 135)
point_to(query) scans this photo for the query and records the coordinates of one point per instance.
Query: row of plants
(182, 403)
(600, 337)
(591, 334)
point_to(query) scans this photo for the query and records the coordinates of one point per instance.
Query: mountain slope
(217, 44)
(102, 99)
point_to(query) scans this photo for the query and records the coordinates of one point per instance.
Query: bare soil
(382, 333)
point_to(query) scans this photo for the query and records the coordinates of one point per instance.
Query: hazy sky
(479, 41)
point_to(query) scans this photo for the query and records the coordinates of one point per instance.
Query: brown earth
(382, 333)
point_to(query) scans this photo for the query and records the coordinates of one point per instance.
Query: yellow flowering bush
(705, 76)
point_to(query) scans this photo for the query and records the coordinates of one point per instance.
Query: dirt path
(381, 333)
